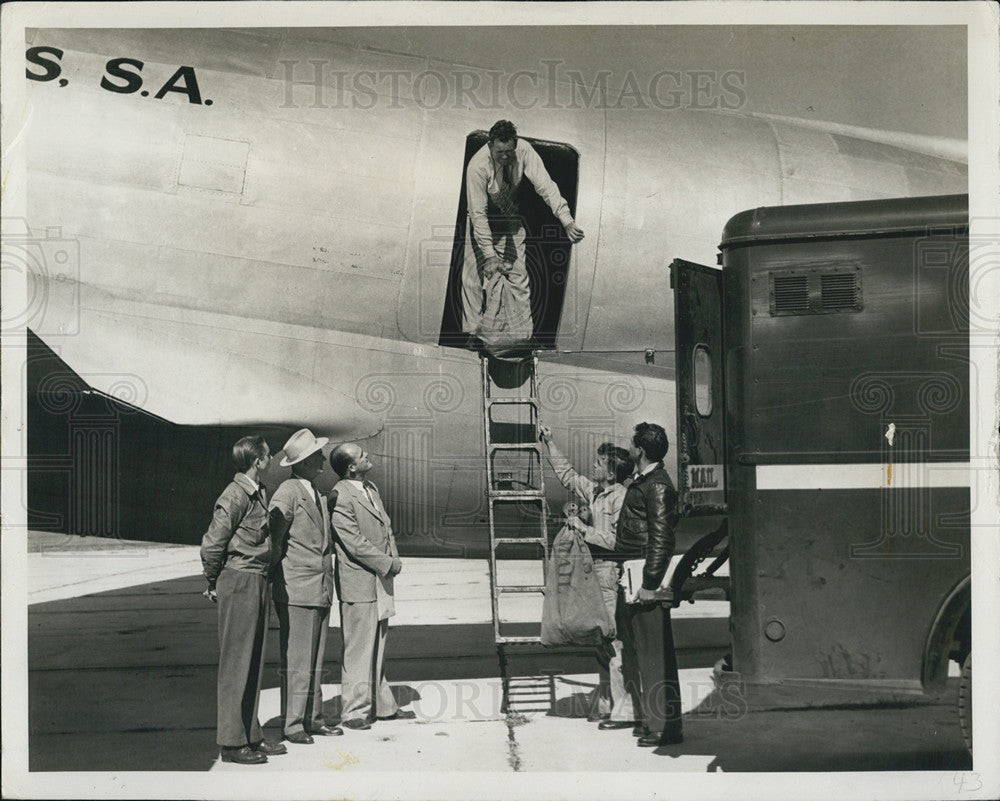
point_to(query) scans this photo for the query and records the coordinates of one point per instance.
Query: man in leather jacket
(646, 531)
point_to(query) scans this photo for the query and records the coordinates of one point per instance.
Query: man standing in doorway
(646, 531)
(236, 554)
(303, 588)
(494, 252)
(367, 562)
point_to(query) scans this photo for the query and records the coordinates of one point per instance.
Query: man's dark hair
(341, 460)
(619, 462)
(652, 439)
(504, 131)
(247, 451)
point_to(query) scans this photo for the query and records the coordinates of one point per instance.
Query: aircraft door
(547, 248)
(700, 393)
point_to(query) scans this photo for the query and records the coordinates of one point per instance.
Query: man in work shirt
(495, 238)
(604, 493)
(236, 556)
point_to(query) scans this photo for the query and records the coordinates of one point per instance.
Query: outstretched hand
(544, 433)
(574, 232)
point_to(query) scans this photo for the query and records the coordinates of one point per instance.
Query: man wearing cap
(236, 555)
(367, 561)
(303, 587)
(495, 250)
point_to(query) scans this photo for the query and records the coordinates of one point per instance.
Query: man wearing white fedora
(303, 587)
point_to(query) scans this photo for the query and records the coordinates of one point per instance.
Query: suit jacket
(365, 545)
(304, 574)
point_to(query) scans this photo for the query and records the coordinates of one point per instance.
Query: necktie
(319, 506)
(505, 195)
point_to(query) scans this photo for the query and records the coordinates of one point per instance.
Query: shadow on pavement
(918, 736)
(126, 679)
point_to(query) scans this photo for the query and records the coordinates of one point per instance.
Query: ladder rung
(516, 495)
(518, 540)
(500, 495)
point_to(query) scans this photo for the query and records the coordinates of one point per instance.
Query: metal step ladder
(497, 496)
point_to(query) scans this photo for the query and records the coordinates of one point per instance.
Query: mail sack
(573, 612)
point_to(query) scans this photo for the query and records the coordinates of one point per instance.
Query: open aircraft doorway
(547, 248)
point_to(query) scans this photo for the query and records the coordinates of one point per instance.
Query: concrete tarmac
(123, 656)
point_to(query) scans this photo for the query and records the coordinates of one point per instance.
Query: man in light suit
(303, 588)
(367, 561)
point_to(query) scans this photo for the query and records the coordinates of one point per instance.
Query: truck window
(702, 381)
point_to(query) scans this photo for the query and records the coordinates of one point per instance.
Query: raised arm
(581, 486)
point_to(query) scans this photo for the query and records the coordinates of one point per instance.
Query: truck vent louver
(791, 294)
(820, 289)
(839, 291)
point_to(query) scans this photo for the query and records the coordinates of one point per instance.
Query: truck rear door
(700, 391)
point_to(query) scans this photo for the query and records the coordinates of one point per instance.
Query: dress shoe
(606, 725)
(639, 730)
(400, 714)
(359, 724)
(270, 749)
(327, 731)
(657, 738)
(242, 755)
(300, 738)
